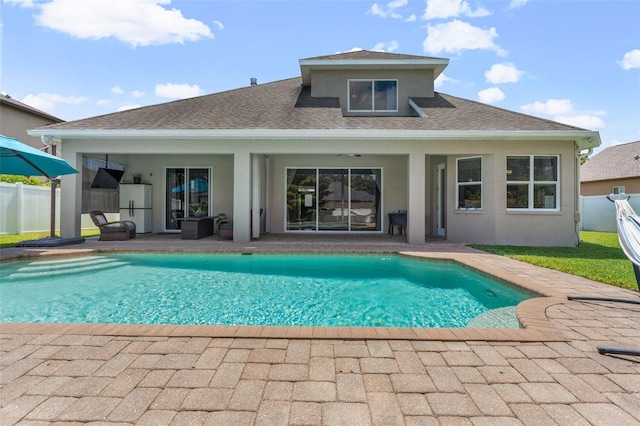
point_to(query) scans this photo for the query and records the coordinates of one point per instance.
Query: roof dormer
(372, 83)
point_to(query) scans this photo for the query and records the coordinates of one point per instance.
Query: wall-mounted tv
(107, 178)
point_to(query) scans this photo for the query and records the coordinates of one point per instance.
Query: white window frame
(373, 83)
(618, 189)
(461, 185)
(532, 182)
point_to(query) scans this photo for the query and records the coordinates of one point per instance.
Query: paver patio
(547, 373)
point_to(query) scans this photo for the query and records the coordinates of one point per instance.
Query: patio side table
(194, 228)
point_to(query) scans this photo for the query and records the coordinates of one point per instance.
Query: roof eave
(584, 139)
(307, 65)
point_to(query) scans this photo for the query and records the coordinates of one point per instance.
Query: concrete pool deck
(547, 373)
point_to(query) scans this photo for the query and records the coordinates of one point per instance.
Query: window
(469, 183)
(532, 182)
(373, 95)
(617, 189)
(333, 199)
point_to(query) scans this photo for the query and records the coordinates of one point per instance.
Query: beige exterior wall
(14, 123)
(409, 168)
(603, 187)
(494, 224)
(410, 83)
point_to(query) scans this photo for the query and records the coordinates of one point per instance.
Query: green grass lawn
(12, 240)
(598, 257)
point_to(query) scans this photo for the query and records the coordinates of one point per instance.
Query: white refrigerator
(135, 205)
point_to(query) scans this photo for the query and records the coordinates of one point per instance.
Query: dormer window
(373, 95)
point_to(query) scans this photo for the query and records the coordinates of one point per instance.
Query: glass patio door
(187, 194)
(301, 199)
(333, 199)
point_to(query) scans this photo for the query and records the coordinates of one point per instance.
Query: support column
(416, 198)
(255, 196)
(71, 197)
(241, 197)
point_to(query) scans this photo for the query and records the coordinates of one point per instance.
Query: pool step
(45, 268)
(496, 318)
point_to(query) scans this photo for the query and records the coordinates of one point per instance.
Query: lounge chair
(113, 231)
(628, 226)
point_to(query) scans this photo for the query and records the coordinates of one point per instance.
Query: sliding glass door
(187, 194)
(333, 199)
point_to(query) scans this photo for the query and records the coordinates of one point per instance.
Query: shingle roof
(285, 104)
(614, 162)
(368, 54)
(14, 103)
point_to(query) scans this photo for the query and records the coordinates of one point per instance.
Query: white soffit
(584, 139)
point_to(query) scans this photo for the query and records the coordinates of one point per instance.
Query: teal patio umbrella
(17, 158)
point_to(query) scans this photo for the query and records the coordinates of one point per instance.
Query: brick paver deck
(547, 373)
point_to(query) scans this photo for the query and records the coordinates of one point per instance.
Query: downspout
(578, 216)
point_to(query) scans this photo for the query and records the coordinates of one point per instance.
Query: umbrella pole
(54, 182)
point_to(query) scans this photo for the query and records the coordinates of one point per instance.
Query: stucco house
(355, 137)
(16, 118)
(614, 170)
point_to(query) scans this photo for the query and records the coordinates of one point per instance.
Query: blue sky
(573, 61)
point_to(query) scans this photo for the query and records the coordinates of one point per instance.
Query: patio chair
(113, 231)
(225, 230)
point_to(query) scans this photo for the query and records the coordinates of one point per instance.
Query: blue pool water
(298, 290)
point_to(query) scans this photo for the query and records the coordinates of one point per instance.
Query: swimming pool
(233, 289)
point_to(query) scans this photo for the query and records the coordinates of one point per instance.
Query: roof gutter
(584, 139)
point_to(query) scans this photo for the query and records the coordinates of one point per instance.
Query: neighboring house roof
(615, 162)
(13, 103)
(368, 54)
(285, 104)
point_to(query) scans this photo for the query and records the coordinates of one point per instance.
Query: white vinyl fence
(27, 208)
(599, 214)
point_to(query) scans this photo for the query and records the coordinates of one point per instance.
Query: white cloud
(137, 93)
(386, 46)
(47, 101)
(442, 9)
(583, 121)
(21, 3)
(102, 102)
(562, 111)
(630, 60)
(411, 18)
(517, 3)
(219, 25)
(551, 107)
(491, 95)
(390, 10)
(456, 36)
(135, 22)
(442, 79)
(126, 107)
(503, 73)
(117, 90)
(177, 91)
